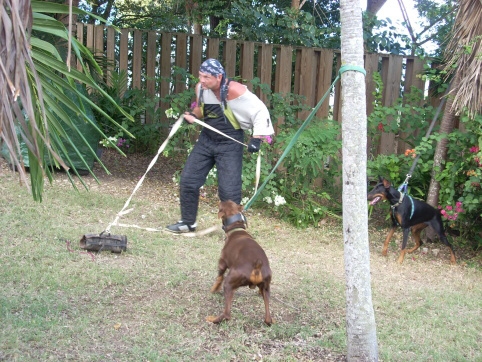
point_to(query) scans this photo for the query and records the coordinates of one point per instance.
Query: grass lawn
(59, 302)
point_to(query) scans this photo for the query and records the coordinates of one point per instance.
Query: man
(229, 107)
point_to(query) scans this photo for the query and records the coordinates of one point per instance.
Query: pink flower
(458, 206)
(474, 149)
(193, 105)
(449, 213)
(268, 139)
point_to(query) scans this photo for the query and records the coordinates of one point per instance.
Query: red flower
(380, 126)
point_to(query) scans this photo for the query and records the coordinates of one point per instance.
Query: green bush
(461, 179)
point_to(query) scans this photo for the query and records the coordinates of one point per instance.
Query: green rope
(343, 69)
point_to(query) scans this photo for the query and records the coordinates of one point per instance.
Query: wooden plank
(165, 74)
(137, 60)
(307, 80)
(180, 61)
(213, 48)
(371, 66)
(89, 41)
(195, 55)
(414, 67)
(265, 68)
(99, 40)
(337, 98)
(323, 80)
(124, 54)
(229, 56)
(151, 68)
(80, 37)
(99, 49)
(297, 71)
(124, 49)
(110, 53)
(413, 71)
(246, 67)
(391, 76)
(283, 72)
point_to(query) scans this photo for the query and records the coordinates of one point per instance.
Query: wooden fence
(150, 57)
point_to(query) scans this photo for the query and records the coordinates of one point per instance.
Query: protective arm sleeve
(251, 113)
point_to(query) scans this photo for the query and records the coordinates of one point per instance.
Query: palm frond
(464, 56)
(37, 89)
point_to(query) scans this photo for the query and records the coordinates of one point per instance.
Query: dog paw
(214, 319)
(215, 288)
(211, 318)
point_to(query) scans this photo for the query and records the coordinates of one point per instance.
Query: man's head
(211, 73)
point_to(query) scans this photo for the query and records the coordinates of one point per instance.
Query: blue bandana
(213, 67)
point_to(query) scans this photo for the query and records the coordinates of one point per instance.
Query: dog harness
(402, 195)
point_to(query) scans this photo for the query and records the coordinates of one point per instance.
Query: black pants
(208, 151)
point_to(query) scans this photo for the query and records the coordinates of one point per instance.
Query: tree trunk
(360, 318)
(193, 14)
(440, 156)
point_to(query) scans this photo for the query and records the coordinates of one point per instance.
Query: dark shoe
(181, 227)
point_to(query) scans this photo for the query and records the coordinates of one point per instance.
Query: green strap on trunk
(343, 69)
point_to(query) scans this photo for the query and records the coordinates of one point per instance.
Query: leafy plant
(461, 179)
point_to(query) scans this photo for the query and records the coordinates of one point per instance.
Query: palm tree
(361, 327)
(464, 62)
(39, 89)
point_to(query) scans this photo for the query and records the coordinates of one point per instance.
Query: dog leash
(404, 186)
(343, 69)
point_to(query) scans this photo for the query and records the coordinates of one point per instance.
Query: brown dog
(247, 262)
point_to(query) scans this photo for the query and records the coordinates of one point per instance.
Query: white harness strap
(217, 131)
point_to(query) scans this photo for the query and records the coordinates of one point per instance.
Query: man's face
(209, 81)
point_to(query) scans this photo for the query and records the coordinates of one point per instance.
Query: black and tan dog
(410, 214)
(247, 262)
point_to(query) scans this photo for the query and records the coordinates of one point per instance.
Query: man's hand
(254, 145)
(189, 117)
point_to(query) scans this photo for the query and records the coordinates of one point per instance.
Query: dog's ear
(380, 179)
(221, 212)
(386, 183)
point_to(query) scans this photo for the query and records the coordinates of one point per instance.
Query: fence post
(391, 76)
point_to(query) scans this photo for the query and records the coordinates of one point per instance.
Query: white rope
(189, 235)
(215, 130)
(258, 161)
(173, 131)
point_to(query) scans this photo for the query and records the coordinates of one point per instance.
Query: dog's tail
(256, 277)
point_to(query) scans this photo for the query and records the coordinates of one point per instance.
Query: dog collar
(235, 218)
